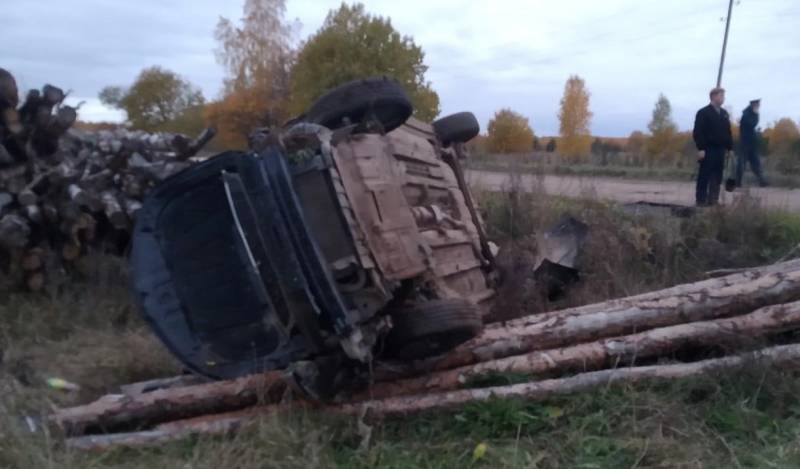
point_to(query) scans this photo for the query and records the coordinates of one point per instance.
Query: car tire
(381, 96)
(457, 128)
(431, 328)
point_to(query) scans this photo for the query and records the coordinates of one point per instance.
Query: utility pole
(725, 43)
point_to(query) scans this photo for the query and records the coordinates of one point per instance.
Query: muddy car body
(352, 233)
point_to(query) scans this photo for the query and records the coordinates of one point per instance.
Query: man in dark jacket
(749, 144)
(713, 138)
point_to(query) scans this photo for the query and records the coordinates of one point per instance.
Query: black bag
(730, 181)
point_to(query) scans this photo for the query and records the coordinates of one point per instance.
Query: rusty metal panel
(447, 227)
(373, 182)
(411, 146)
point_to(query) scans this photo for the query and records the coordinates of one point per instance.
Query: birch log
(727, 296)
(120, 411)
(785, 356)
(735, 277)
(738, 330)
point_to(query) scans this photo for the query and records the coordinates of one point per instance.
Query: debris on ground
(61, 384)
(558, 254)
(657, 209)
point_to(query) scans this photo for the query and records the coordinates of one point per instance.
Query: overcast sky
(482, 55)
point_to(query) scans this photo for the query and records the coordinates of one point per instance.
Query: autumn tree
(597, 146)
(509, 132)
(158, 99)
(575, 118)
(783, 139)
(783, 135)
(636, 143)
(663, 143)
(257, 56)
(353, 44)
(478, 146)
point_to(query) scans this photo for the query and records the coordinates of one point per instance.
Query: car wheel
(457, 128)
(432, 328)
(381, 97)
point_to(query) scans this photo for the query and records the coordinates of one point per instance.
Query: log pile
(716, 325)
(62, 189)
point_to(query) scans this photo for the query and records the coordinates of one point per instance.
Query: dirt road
(623, 190)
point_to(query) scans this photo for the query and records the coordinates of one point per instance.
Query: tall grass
(627, 253)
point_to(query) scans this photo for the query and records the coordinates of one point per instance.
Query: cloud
(482, 55)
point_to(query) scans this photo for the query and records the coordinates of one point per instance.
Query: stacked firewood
(63, 190)
(715, 325)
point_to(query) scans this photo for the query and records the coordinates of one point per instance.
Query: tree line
(664, 144)
(268, 80)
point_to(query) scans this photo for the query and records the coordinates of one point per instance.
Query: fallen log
(729, 296)
(51, 174)
(786, 355)
(144, 387)
(739, 330)
(14, 231)
(216, 424)
(736, 276)
(121, 411)
(114, 212)
(5, 200)
(734, 299)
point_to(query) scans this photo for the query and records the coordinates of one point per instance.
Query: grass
(89, 333)
(626, 254)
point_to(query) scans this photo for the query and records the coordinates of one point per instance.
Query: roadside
(625, 191)
(670, 174)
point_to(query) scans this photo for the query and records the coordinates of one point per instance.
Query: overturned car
(350, 232)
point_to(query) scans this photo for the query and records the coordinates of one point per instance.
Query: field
(89, 333)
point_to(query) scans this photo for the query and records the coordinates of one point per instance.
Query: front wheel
(432, 328)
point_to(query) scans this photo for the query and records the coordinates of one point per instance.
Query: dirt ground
(622, 190)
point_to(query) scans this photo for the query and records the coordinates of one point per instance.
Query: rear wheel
(457, 128)
(380, 98)
(432, 328)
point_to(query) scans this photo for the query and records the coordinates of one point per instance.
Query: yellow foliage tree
(258, 56)
(663, 144)
(635, 146)
(575, 118)
(509, 132)
(783, 140)
(353, 44)
(783, 137)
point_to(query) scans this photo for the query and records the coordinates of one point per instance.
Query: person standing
(748, 151)
(714, 140)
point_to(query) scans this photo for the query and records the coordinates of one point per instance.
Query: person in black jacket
(748, 151)
(713, 138)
